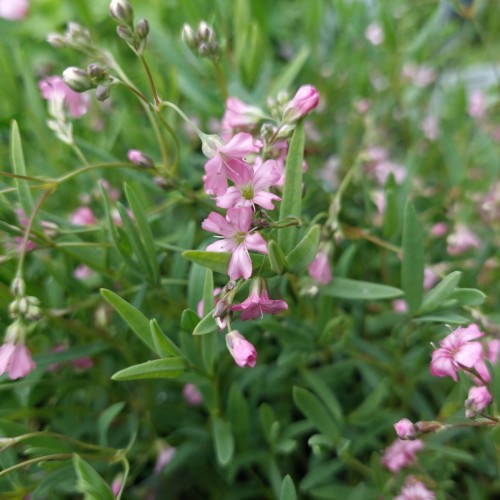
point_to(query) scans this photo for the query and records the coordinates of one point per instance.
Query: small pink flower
(461, 240)
(191, 395)
(140, 159)
(14, 10)
(430, 127)
(116, 485)
(477, 105)
(405, 429)
(374, 33)
(258, 302)
(400, 306)
(477, 401)
(201, 304)
(227, 160)
(430, 278)
(237, 239)
(401, 454)
(239, 115)
(164, 457)
(53, 88)
(241, 350)
(15, 359)
(492, 350)
(251, 188)
(304, 101)
(413, 489)
(383, 169)
(439, 229)
(82, 272)
(420, 75)
(83, 216)
(320, 268)
(362, 106)
(459, 350)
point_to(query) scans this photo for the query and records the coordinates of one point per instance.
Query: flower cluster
(243, 174)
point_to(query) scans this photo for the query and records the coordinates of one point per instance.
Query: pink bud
(479, 398)
(140, 159)
(191, 394)
(405, 429)
(15, 359)
(241, 350)
(83, 216)
(320, 268)
(305, 100)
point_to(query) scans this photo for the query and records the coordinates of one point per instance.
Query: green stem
(220, 79)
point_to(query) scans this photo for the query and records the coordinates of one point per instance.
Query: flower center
(247, 192)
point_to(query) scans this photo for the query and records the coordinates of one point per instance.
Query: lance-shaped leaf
(288, 491)
(163, 345)
(206, 325)
(19, 166)
(344, 288)
(157, 368)
(277, 258)
(223, 440)
(440, 292)
(303, 254)
(90, 483)
(291, 202)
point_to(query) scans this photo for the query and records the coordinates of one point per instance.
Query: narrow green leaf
(291, 202)
(443, 317)
(277, 258)
(344, 288)
(90, 483)
(371, 404)
(209, 342)
(144, 229)
(163, 345)
(327, 396)
(412, 269)
(439, 293)
(219, 261)
(467, 296)
(105, 420)
(287, 76)
(305, 251)
(133, 317)
(391, 212)
(223, 440)
(314, 410)
(288, 491)
(19, 167)
(189, 320)
(208, 292)
(157, 368)
(206, 325)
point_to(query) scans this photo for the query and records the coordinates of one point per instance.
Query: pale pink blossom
(240, 115)
(258, 302)
(439, 229)
(420, 75)
(320, 268)
(461, 240)
(251, 188)
(117, 484)
(82, 272)
(54, 88)
(477, 401)
(374, 33)
(113, 193)
(477, 105)
(14, 10)
(227, 160)
(241, 350)
(405, 429)
(492, 350)
(413, 489)
(237, 239)
(430, 278)
(400, 306)
(201, 304)
(15, 359)
(383, 169)
(139, 158)
(401, 454)
(83, 216)
(304, 101)
(362, 105)
(458, 351)
(191, 395)
(164, 457)
(430, 127)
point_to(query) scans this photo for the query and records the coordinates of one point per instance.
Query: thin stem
(221, 81)
(150, 80)
(126, 467)
(169, 104)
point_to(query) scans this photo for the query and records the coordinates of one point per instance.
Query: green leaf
(288, 491)
(163, 345)
(412, 269)
(19, 167)
(391, 212)
(206, 325)
(287, 76)
(189, 320)
(223, 440)
(320, 387)
(277, 258)
(305, 251)
(90, 483)
(144, 230)
(209, 342)
(434, 297)
(443, 317)
(105, 420)
(344, 288)
(315, 411)
(133, 317)
(219, 261)
(467, 296)
(291, 202)
(157, 368)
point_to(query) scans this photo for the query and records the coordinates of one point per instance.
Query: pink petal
(469, 354)
(240, 145)
(222, 245)
(215, 180)
(230, 198)
(266, 175)
(240, 264)
(255, 241)
(240, 218)
(216, 223)
(265, 199)
(442, 365)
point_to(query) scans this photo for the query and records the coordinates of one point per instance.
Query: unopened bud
(18, 286)
(140, 159)
(23, 305)
(56, 40)
(221, 308)
(121, 11)
(203, 49)
(77, 79)
(125, 33)
(205, 32)
(188, 36)
(427, 426)
(14, 309)
(102, 92)
(142, 28)
(15, 331)
(96, 72)
(77, 34)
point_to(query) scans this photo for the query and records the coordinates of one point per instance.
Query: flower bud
(18, 286)
(77, 35)
(77, 79)
(479, 398)
(241, 350)
(405, 429)
(15, 331)
(56, 40)
(97, 72)
(188, 36)
(14, 309)
(142, 28)
(102, 92)
(426, 426)
(305, 100)
(221, 308)
(125, 33)
(121, 11)
(205, 33)
(140, 159)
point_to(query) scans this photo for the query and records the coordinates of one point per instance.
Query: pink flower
(164, 457)
(258, 302)
(241, 350)
(238, 239)
(462, 240)
(15, 359)
(116, 485)
(320, 268)
(430, 127)
(240, 115)
(53, 88)
(139, 158)
(251, 188)
(400, 306)
(430, 278)
(83, 216)
(227, 160)
(374, 33)
(305, 100)
(405, 429)
(477, 105)
(401, 454)
(420, 75)
(201, 304)
(14, 10)
(477, 401)
(191, 394)
(458, 351)
(82, 272)
(492, 350)
(413, 489)
(439, 229)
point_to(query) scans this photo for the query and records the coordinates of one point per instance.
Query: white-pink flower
(374, 33)
(15, 359)
(83, 216)
(251, 188)
(53, 88)
(14, 10)
(405, 429)
(320, 268)
(242, 351)
(477, 105)
(237, 239)
(477, 401)
(401, 454)
(240, 115)
(413, 489)
(164, 457)
(461, 240)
